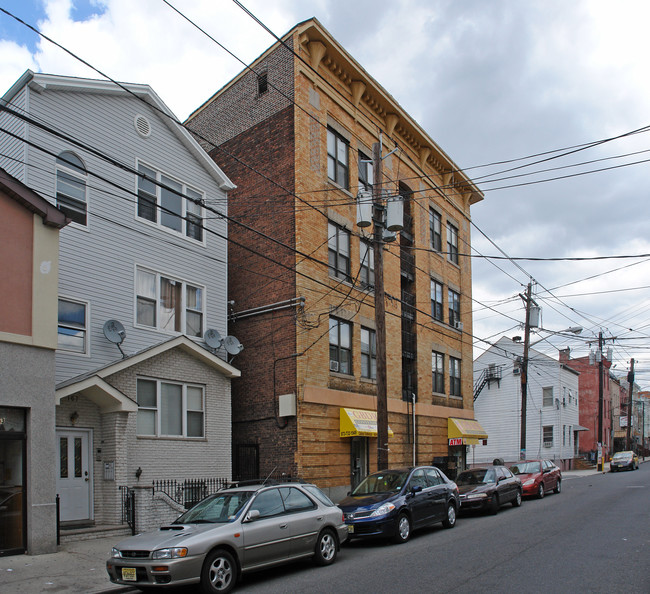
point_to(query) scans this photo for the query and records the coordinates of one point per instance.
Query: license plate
(350, 528)
(128, 574)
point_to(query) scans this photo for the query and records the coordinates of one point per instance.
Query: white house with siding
(147, 247)
(552, 406)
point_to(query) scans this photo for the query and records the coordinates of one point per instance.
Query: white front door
(73, 482)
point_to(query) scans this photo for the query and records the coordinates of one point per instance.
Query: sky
(543, 103)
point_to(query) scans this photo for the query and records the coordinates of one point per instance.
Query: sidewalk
(77, 567)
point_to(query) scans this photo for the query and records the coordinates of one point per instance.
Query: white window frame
(368, 353)
(547, 401)
(338, 246)
(546, 429)
(156, 299)
(157, 409)
(366, 264)
(455, 377)
(189, 208)
(435, 230)
(338, 349)
(336, 167)
(453, 303)
(78, 176)
(71, 326)
(366, 171)
(437, 303)
(437, 371)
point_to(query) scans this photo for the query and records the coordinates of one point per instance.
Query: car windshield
(478, 476)
(216, 509)
(526, 468)
(622, 455)
(390, 481)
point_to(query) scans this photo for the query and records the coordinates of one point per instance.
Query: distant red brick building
(589, 395)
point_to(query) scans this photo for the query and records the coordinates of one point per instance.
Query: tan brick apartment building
(294, 131)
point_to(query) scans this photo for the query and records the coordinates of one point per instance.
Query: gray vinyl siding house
(143, 249)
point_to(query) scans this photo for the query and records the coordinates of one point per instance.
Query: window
(72, 326)
(435, 230)
(169, 410)
(179, 205)
(452, 243)
(436, 300)
(337, 158)
(433, 477)
(268, 503)
(71, 178)
(168, 304)
(368, 353)
(454, 307)
(367, 264)
(548, 436)
(340, 346)
(438, 372)
(295, 500)
(454, 377)
(366, 172)
(262, 83)
(338, 244)
(547, 396)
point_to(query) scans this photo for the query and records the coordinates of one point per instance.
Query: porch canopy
(465, 431)
(355, 422)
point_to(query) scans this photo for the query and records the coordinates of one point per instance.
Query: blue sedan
(392, 503)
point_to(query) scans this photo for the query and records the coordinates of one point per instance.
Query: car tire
(450, 520)
(540, 491)
(494, 506)
(612, 469)
(219, 572)
(558, 486)
(403, 528)
(326, 548)
(516, 502)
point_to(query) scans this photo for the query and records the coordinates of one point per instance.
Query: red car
(538, 477)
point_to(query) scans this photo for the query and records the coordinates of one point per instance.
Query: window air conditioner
(458, 325)
(334, 365)
(548, 444)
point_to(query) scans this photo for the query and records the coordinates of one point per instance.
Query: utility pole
(630, 379)
(524, 375)
(601, 461)
(380, 309)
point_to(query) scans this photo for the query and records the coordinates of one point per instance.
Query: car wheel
(219, 573)
(494, 507)
(558, 486)
(450, 520)
(540, 491)
(403, 528)
(326, 548)
(612, 469)
(516, 502)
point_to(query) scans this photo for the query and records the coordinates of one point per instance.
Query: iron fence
(188, 492)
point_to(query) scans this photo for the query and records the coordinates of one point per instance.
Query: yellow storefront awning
(464, 431)
(355, 422)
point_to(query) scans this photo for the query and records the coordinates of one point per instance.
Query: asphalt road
(592, 537)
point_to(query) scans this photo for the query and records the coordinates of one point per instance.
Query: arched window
(71, 186)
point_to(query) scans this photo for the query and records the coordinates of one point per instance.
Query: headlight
(529, 482)
(382, 510)
(476, 496)
(169, 553)
(115, 552)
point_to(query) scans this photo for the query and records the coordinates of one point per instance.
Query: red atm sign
(455, 441)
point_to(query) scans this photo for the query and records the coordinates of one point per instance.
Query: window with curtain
(436, 300)
(454, 377)
(338, 247)
(438, 372)
(168, 304)
(167, 409)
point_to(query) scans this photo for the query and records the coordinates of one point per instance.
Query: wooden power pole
(524, 375)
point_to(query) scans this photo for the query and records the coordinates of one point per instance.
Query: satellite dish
(114, 331)
(212, 338)
(232, 345)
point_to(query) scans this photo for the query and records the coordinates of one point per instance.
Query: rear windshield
(315, 492)
(526, 468)
(390, 481)
(478, 476)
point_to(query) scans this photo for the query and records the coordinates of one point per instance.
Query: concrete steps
(93, 532)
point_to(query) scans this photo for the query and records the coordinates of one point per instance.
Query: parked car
(538, 477)
(624, 461)
(236, 530)
(392, 503)
(487, 489)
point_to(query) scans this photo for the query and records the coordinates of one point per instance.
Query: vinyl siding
(498, 407)
(98, 262)
(12, 151)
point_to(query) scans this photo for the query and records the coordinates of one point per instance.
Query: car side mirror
(416, 489)
(252, 515)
